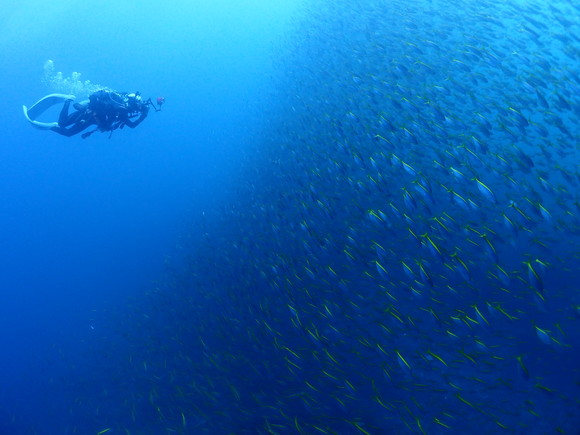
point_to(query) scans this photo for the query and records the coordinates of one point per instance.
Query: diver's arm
(133, 124)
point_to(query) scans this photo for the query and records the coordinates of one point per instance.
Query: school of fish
(400, 252)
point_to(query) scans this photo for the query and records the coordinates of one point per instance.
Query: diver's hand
(144, 112)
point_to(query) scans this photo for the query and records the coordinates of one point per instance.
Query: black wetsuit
(107, 110)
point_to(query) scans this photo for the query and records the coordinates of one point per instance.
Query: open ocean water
(354, 217)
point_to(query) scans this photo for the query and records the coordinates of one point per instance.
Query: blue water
(348, 217)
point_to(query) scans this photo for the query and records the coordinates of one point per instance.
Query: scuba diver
(107, 110)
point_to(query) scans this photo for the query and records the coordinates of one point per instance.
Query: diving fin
(41, 106)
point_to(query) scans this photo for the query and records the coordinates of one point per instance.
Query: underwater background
(350, 217)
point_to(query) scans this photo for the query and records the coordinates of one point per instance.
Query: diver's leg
(64, 131)
(63, 117)
(82, 106)
(75, 129)
(64, 120)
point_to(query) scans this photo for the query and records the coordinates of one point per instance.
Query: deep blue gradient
(349, 218)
